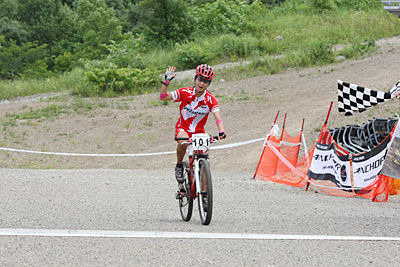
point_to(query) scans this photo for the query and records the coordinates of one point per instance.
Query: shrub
(190, 55)
(127, 54)
(224, 16)
(320, 52)
(322, 5)
(315, 53)
(114, 81)
(231, 46)
(63, 62)
(27, 60)
(37, 69)
(269, 65)
(358, 4)
(357, 48)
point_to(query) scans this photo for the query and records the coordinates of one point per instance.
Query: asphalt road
(135, 200)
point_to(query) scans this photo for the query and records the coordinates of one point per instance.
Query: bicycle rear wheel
(205, 199)
(185, 200)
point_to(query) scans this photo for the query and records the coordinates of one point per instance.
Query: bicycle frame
(194, 155)
(198, 181)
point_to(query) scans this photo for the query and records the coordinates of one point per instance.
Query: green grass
(157, 103)
(300, 33)
(51, 111)
(306, 39)
(62, 83)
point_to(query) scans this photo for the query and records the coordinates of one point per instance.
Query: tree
(41, 17)
(268, 2)
(45, 21)
(12, 29)
(68, 3)
(9, 8)
(22, 60)
(200, 2)
(122, 10)
(97, 27)
(163, 20)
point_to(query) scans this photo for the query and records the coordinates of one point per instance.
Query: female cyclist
(196, 103)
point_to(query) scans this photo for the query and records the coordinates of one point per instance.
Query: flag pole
(304, 143)
(329, 113)
(266, 139)
(283, 127)
(320, 137)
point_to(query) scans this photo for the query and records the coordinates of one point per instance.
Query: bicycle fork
(196, 177)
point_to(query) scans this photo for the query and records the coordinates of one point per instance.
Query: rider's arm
(169, 75)
(164, 95)
(220, 123)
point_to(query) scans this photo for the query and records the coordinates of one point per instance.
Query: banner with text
(326, 164)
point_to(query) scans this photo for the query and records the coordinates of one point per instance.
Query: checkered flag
(354, 98)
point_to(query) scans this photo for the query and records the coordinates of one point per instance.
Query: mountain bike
(197, 178)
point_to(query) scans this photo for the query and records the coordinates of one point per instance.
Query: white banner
(367, 167)
(328, 165)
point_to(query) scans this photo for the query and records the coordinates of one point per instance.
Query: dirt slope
(140, 124)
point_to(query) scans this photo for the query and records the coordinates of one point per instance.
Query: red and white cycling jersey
(194, 110)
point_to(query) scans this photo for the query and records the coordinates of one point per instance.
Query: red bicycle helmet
(205, 71)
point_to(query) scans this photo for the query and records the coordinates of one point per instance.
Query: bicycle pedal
(181, 188)
(178, 195)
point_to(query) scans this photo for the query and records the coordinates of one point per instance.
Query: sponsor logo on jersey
(188, 109)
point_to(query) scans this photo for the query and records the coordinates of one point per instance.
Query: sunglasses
(201, 79)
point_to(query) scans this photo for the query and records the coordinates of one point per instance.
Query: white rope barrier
(123, 155)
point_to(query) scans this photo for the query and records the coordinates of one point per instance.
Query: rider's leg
(181, 148)
(180, 154)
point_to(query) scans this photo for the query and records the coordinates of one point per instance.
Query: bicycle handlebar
(213, 138)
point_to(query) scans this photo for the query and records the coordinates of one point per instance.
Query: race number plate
(200, 141)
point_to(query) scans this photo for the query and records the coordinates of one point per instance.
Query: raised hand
(170, 73)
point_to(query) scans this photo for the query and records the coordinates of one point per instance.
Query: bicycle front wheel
(185, 200)
(205, 199)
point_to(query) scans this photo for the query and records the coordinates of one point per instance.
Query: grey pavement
(138, 200)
